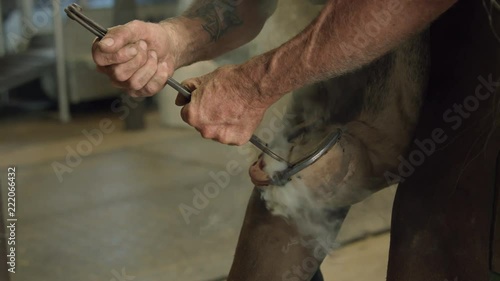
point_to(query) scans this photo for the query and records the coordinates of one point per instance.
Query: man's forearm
(346, 35)
(213, 27)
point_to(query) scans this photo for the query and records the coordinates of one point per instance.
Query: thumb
(123, 35)
(191, 85)
(181, 100)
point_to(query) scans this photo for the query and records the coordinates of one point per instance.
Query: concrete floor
(117, 210)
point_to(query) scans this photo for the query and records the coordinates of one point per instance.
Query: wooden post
(62, 89)
(27, 9)
(2, 42)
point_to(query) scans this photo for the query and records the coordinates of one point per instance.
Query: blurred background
(108, 186)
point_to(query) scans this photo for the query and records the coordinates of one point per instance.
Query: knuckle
(133, 26)
(164, 69)
(142, 58)
(162, 77)
(118, 57)
(159, 80)
(121, 56)
(135, 65)
(120, 75)
(152, 88)
(206, 133)
(129, 27)
(135, 23)
(152, 63)
(135, 84)
(236, 142)
(103, 60)
(143, 81)
(137, 62)
(98, 58)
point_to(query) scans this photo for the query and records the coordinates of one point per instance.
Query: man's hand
(138, 56)
(225, 106)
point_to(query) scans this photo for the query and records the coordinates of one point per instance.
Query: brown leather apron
(446, 216)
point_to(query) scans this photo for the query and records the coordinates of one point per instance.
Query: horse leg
(266, 249)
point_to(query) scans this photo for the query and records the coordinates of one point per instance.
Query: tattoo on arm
(219, 16)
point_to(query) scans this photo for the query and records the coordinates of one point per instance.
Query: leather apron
(446, 215)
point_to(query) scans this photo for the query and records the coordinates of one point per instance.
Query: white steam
(300, 205)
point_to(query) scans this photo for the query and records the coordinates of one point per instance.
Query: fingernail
(132, 51)
(108, 42)
(153, 55)
(143, 45)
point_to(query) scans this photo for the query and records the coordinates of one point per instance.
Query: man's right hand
(138, 56)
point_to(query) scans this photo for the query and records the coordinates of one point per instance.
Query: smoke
(300, 205)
